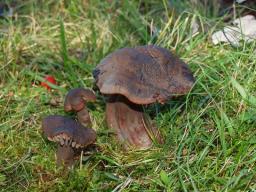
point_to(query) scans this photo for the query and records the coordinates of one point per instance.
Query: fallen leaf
(244, 28)
(6, 10)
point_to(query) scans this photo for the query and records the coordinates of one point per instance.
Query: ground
(210, 141)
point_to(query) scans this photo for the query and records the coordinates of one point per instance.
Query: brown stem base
(83, 117)
(65, 156)
(128, 121)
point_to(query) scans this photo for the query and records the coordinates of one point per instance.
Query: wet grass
(210, 134)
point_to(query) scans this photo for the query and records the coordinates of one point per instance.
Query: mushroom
(70, 136)
(134, 77)
(76, 101)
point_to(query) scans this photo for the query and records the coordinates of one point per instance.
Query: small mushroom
(76, 101)
(69, 134)
(133, 77)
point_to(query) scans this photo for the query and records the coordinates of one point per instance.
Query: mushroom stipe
(133, 127)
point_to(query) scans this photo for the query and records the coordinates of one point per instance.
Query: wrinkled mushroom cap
(144, 74)
(76, 98)
(57, 125)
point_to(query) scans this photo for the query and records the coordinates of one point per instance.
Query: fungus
(76, 101)
(70, 136)
(133, 77)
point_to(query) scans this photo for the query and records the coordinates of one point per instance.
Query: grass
(210, 134)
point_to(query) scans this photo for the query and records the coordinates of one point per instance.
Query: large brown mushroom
(76, 100)
(70, 136)
(133, 77)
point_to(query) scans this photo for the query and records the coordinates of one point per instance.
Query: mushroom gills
(62, 141)
(66, 141)
(73, 143)
(50, 138)
(129, 122)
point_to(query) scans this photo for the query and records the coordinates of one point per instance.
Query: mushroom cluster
(71, 136)
(131, 78)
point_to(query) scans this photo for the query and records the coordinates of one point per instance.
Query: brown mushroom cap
(59, 128)
(143, 74)
(76, 98)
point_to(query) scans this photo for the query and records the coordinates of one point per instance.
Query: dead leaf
(244, 28)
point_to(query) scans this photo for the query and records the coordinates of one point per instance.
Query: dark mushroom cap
(67, 131)
(143, 74)
(76, 98)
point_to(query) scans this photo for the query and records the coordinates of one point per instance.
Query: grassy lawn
(210, 134)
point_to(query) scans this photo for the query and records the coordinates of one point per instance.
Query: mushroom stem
(65, 156)
(130, 124)
(83, 117)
